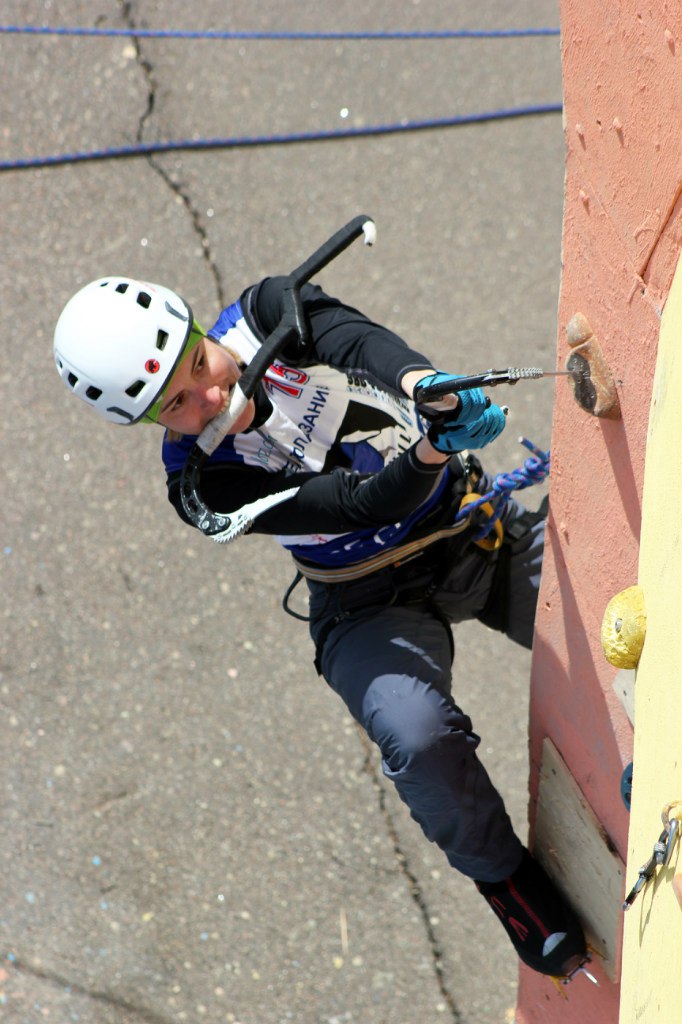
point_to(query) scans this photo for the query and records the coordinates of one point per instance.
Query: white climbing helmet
(118, 342)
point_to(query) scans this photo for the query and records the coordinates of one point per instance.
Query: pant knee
(413, 730)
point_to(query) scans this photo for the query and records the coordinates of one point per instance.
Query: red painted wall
(621, 241)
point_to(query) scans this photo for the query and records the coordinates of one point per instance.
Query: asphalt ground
(192, 827)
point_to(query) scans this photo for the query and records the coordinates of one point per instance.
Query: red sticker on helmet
(152, 366)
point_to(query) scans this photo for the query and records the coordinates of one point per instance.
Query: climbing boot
(542, 927)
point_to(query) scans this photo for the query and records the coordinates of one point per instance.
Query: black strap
(287, 594)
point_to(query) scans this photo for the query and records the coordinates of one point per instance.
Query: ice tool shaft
(487, 379)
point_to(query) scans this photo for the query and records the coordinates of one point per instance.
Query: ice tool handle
(291, 326)
(488, 379)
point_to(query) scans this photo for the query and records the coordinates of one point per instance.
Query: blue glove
(473, 402)
(453, 434)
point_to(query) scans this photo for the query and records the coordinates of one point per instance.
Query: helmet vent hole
(143, 299)
(72, 379)
(93, 393)
(122, 287)
(134, 389)
(161, 339)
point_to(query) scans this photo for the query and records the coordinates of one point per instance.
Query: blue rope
(149, 148)
(533, 471)
(152, 33)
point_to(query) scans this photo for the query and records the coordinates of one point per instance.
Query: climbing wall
(652, 967)
(621, 241)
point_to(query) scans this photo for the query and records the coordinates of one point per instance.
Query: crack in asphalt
(142, 1013)
(416, 891)
(175, 187)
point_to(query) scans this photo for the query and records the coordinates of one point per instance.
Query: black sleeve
(325, 503)
(341, 336)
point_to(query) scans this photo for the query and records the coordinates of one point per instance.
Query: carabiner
(673, 836)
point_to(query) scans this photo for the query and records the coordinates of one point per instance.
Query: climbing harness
(415, 571)
(392, 558)
(491, 504)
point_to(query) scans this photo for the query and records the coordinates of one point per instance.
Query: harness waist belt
(393, 557)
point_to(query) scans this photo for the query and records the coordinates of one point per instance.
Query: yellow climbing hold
(624, 627)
